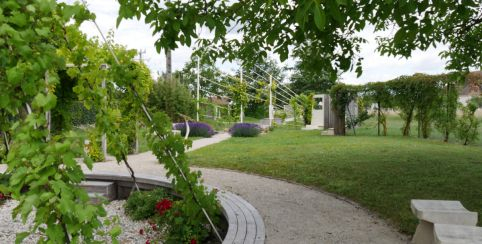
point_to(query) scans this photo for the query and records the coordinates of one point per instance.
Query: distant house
(472, 87)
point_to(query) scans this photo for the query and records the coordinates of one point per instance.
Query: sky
(137, 35)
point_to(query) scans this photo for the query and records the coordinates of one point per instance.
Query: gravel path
(130, 229)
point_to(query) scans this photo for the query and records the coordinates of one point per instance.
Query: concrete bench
(457, 234)
(430, 212)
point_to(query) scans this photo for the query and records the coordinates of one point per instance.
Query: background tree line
(430, 100)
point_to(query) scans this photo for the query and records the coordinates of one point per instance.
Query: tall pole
(168, 65)
(198, 81)
(241, 114)
(271, 115)
(104, 137)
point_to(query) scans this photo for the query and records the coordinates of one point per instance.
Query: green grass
(380, 173)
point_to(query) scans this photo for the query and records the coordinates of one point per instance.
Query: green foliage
(172, 98)
(280, 114)
(310, 74)
(141, 204)
(378, 93)
(297, 109)
(170, 150)
(446, 114)
(362, 115)
(307, 103)
(80, 115)
(417, 96)
(468, 124)
(239, 96)
(45, 174)
(3, 149)
(329, 28)
(94, 150)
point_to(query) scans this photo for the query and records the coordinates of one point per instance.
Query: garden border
(245, 224)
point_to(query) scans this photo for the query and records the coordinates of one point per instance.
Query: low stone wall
(245, 224)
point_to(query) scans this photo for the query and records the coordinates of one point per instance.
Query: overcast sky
(137, 35)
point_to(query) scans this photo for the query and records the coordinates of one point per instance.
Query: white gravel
(130, 229)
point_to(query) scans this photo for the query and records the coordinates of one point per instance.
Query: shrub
(245, 130)
(468, 124)
(196, 129)
(142, 204)
(280, 114)
(172, 98)
(94, 150)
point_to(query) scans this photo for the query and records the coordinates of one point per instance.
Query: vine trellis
(164, 137)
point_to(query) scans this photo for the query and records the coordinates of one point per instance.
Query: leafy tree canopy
(330, 27)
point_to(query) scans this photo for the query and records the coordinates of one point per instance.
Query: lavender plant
(196, 129)
(245, 130)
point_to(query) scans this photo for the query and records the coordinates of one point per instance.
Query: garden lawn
(380, 173)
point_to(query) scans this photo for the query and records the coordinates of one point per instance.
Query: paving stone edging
(245, 225)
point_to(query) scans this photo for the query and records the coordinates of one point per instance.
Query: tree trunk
(378, 124)
(446, 132)
(339, 127)
(408, 121)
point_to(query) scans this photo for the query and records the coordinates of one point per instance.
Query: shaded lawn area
(380, 173)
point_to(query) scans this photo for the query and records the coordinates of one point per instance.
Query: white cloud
(137, 35)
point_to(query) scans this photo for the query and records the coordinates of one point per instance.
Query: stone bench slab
(457, 234)
(444, 212)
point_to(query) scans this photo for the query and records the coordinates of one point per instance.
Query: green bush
(142, 204)
(468, 124)
(280, 114)
(94, 150)
(172, 98)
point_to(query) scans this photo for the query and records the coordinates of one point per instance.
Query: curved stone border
(245, 225)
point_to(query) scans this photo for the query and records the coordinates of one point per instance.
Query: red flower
(141, 231)
(154, 226)
(193, 241)
(164, 205)
(148, 242)
(2, 197)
